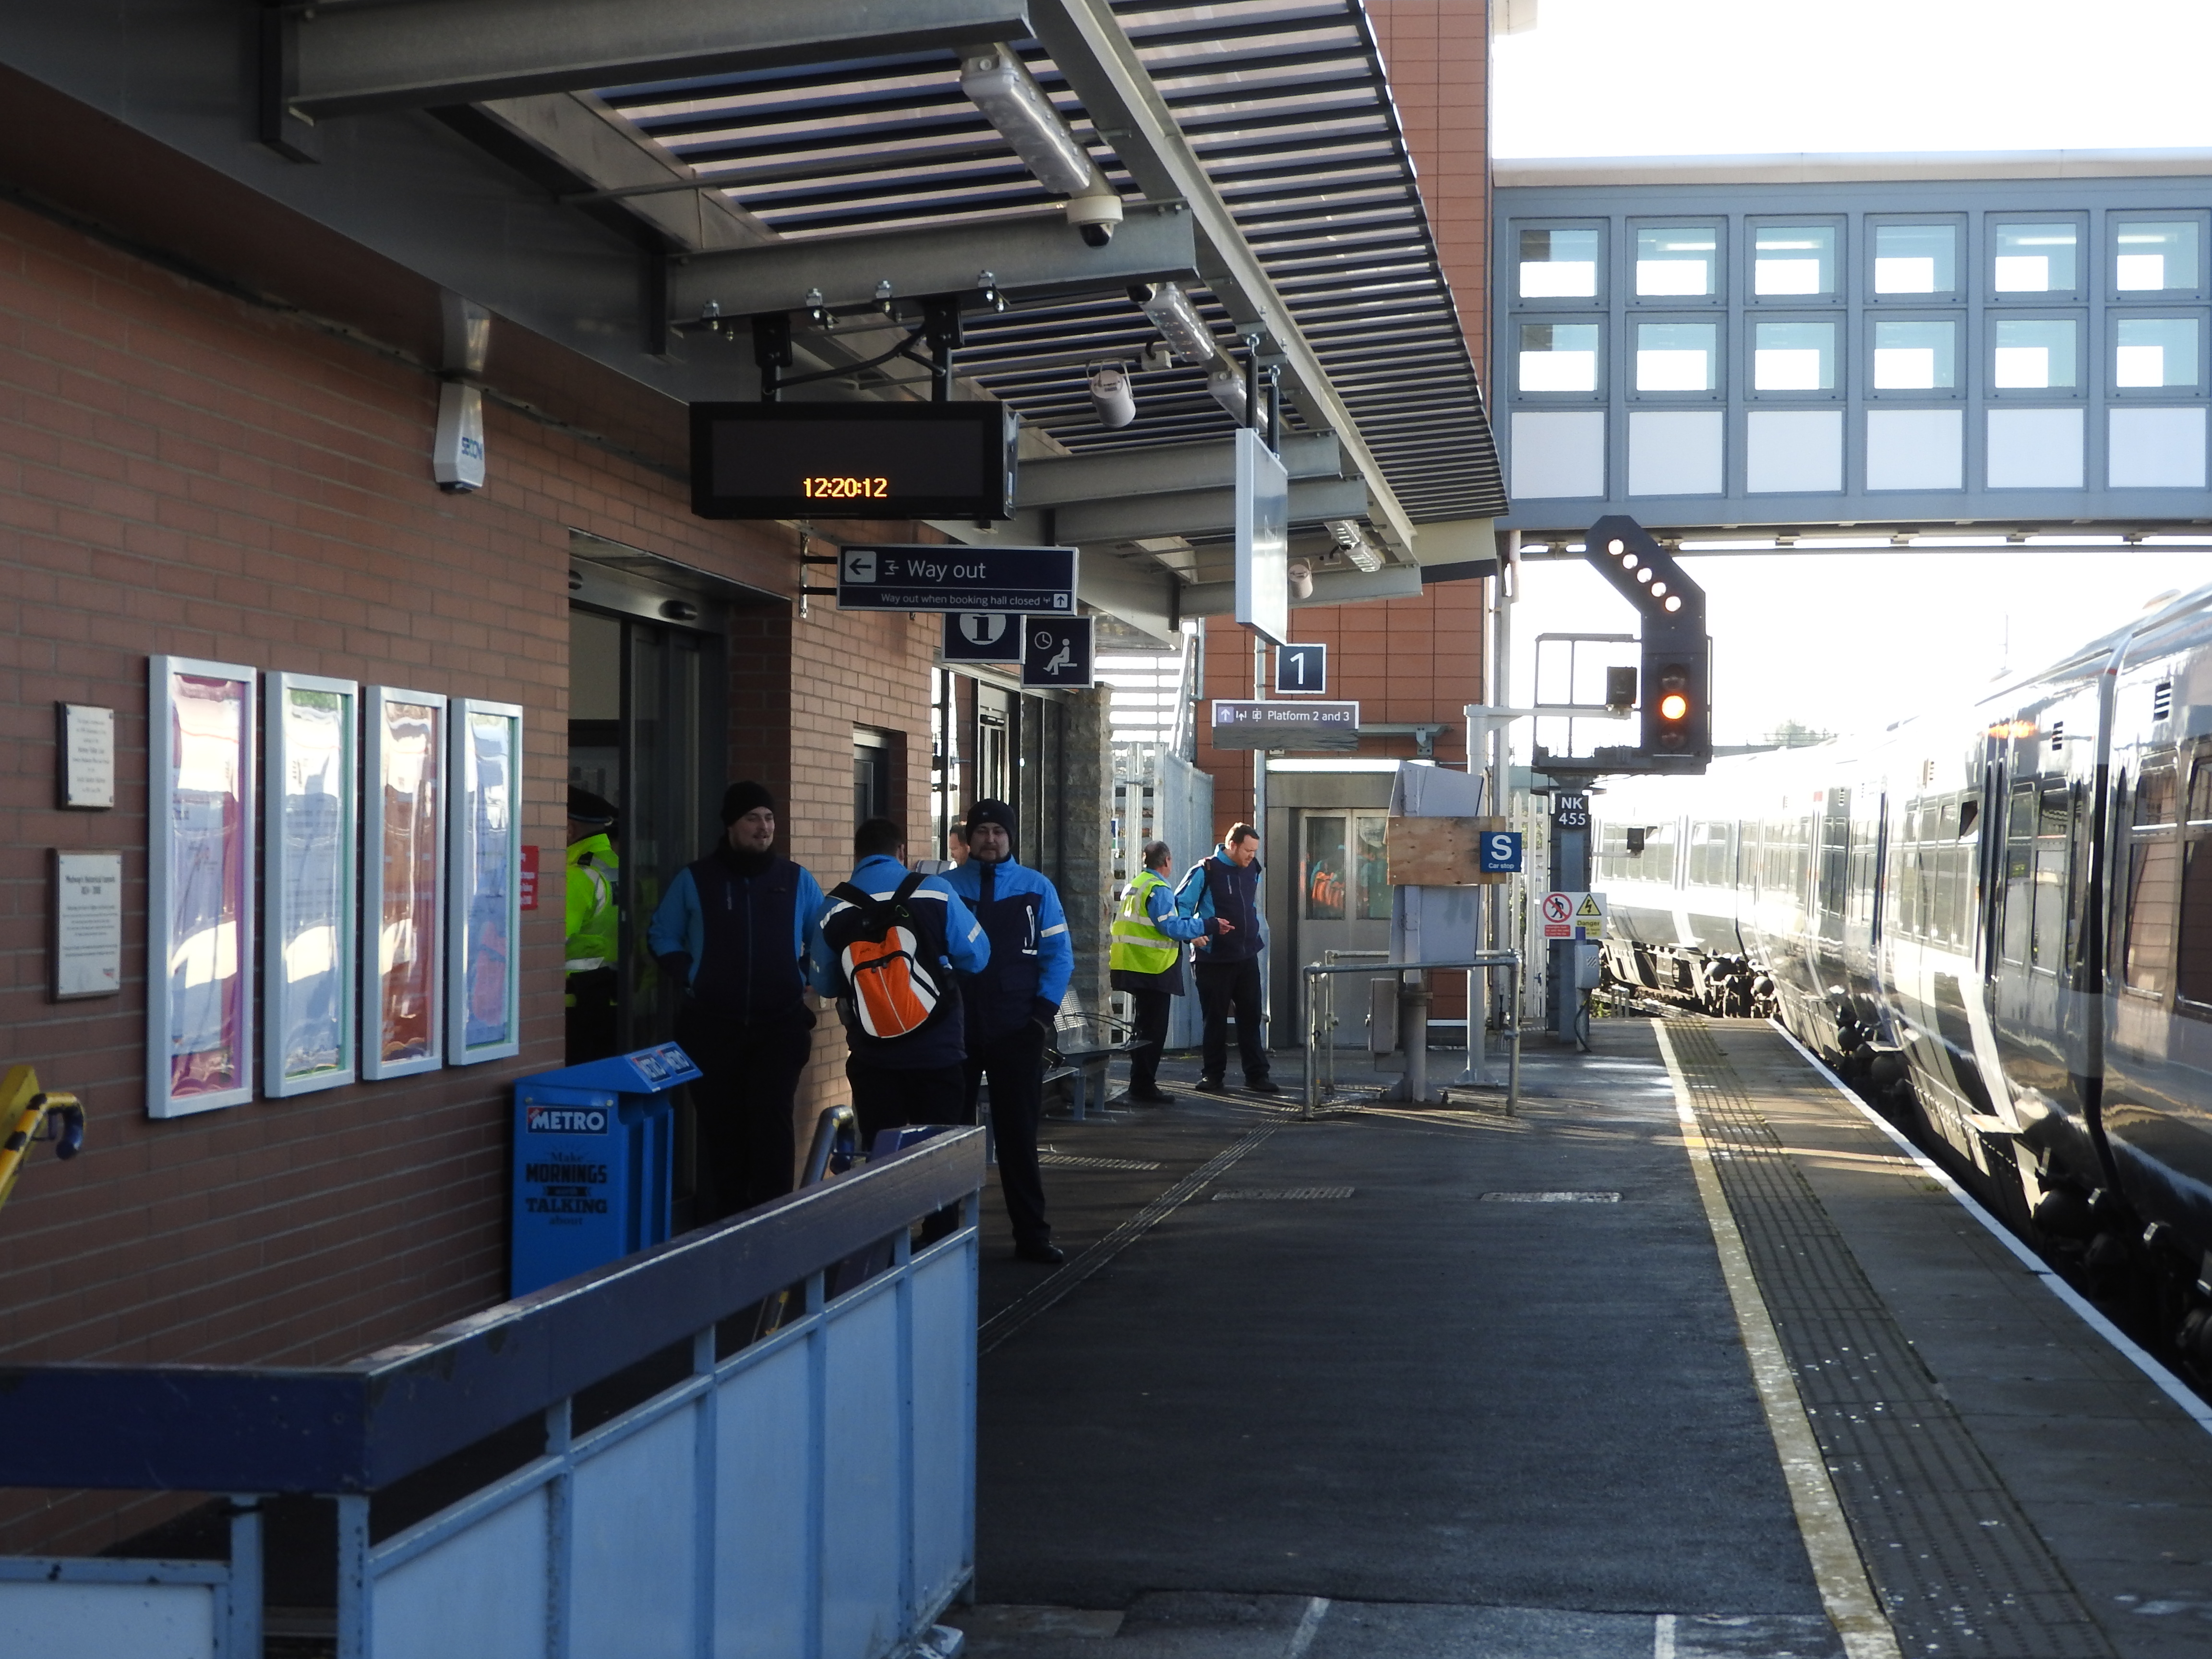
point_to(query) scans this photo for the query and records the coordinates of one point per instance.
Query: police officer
(1223, 891)
(1145, 960)
(593, 927)
(733, 930)
(1012, 1005)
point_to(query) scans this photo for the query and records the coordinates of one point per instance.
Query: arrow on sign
(860, 565)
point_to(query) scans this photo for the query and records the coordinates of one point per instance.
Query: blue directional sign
(1500, 851)
(1056, 651)
(982, 636)
(1017, 580)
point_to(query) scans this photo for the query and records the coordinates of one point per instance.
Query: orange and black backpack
(890, 957)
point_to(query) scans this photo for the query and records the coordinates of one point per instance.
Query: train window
(1913, 259)
(2035, 353)
(1794, 260)
(2192, 972)
(2154, 796)
(1559, 264)
(2035, 259)
(2055, 810)
(2151, 867)
(1677, 261)
(2048, 947)
(1558, 357)
(1323, 876)
(1794, 356)
(2200, 790)
(2019, 875)
(2020, 822)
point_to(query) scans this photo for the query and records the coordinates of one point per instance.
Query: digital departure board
(853, 461)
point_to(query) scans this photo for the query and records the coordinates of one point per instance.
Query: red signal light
(1674, 705)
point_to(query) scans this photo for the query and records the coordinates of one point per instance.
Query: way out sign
(1573, 915)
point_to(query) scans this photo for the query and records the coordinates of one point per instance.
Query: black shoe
(1152, 1097)
(1043, 1251)
(1262, 1087)
(1209, 1085)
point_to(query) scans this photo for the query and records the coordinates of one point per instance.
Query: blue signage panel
(1022, 581)
(1239, 725)
(1500, 851)
(1300, 670)
(982, 636)
(1056, 651)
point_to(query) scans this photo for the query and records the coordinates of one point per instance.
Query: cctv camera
(1110, 397)
(1301, 575)
(1095, 217)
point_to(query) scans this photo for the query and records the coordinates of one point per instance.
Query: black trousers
(1224, 987)
(1152, 1010)
(591, 1016)
(1014, 1063)
(889, 1097)
(748, 1151)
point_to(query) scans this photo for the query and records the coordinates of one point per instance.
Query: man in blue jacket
(1223, 891)
(919, 1076)
(730, 935)
(1012, 1005)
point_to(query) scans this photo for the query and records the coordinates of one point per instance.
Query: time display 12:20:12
(846, 489)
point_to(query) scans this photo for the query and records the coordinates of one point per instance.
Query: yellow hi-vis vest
(1139, 947)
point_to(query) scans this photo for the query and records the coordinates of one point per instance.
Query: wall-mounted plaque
(402, 882)
(484, 1010)
(87, 905)
(312, 833)
(199, 886)
(84, 743)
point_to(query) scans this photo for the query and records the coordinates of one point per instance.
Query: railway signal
(1677, 656)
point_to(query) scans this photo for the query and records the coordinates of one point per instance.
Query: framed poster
(199, 886)
(312, 832)
(402, 881)
(483, 1009)
(86, 903)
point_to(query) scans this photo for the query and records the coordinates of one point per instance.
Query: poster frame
(277, 749)
(58, 858)
(161, 763)
(369, 1037)
(461, 799)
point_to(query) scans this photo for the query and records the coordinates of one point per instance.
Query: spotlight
(1170, 310)
(1111, 399)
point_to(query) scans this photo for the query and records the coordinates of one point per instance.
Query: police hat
(585, 807)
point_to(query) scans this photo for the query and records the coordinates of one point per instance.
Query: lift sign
(564, 1121)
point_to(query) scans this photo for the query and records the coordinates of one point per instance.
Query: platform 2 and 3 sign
(1304, 725)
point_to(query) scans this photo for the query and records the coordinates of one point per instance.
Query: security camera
(1301, 575)
(1096, 216)
(1110, 397)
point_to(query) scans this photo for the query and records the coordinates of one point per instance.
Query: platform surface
(1417, 1381)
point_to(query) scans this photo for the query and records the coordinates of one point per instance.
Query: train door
(645, 731)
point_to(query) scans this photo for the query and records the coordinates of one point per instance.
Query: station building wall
(185, 471)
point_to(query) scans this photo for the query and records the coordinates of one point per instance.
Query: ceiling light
(1170, 310)
(1000, 85)
(1226, 382)
(1357, 542)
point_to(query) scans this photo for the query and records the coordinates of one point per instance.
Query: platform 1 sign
(1014, 580)
(1264, 725)
(1573, 915)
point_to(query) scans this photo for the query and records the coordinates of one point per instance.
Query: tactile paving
(1959, 1567)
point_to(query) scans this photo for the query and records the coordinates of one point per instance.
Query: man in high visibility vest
(593, 927)
(1145, 960)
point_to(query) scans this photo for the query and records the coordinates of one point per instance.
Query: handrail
(1507, 960)
(359, 1426)
(1331, 957)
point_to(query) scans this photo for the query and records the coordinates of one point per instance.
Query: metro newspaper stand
(593, 1157)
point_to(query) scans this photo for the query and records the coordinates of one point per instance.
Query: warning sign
(1573, 915)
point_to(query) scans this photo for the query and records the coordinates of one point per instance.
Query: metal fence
(1321, 1016)
(811, 1493)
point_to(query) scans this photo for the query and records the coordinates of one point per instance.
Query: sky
(1690, 77)
(1840, 642)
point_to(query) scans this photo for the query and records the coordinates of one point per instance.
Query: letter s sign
(1500, 851)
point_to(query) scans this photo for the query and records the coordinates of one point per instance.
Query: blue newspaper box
(594, 1155)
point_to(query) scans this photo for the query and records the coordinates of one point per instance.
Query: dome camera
(1111, 400)
(1095, 217)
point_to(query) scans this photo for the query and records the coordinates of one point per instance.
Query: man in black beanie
(733, 931)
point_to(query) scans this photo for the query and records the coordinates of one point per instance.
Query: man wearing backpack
(1010, 1007)
(732, 932)
(893, 939)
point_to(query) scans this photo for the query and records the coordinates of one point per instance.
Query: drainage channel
(1960, 1568)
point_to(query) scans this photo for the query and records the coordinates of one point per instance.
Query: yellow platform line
(1845, 1591)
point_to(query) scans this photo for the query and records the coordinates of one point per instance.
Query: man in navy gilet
(734, 931)
(1012, 1005)
(1225, 889)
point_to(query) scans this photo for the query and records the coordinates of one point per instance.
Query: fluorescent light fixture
(1169, 311)
(1357, 542)
(1000, 85)
(1226, 382)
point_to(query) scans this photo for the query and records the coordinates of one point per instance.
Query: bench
(1081, 1041)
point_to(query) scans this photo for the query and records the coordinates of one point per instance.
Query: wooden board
(1440, 853)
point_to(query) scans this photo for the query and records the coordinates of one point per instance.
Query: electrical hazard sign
(1573, 915)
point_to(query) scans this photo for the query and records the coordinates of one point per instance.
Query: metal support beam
(1038, 257)
(1090, 47)
(1116, 475)
(346, 59)
(1203, 512)
(1399, 582)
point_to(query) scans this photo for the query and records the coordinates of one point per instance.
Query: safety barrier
(809, 1494)
(1318, 974)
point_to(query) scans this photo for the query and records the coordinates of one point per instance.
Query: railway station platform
(1689, 1357)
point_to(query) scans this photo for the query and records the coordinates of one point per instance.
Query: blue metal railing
(811, 1493)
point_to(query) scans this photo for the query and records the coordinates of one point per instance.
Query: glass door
(1343, 902)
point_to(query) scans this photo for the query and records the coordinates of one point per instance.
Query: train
(1995, 922)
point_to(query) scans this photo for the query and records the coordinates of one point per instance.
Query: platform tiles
(1497, 1401)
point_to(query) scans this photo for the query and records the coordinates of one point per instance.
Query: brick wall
(187, 473)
